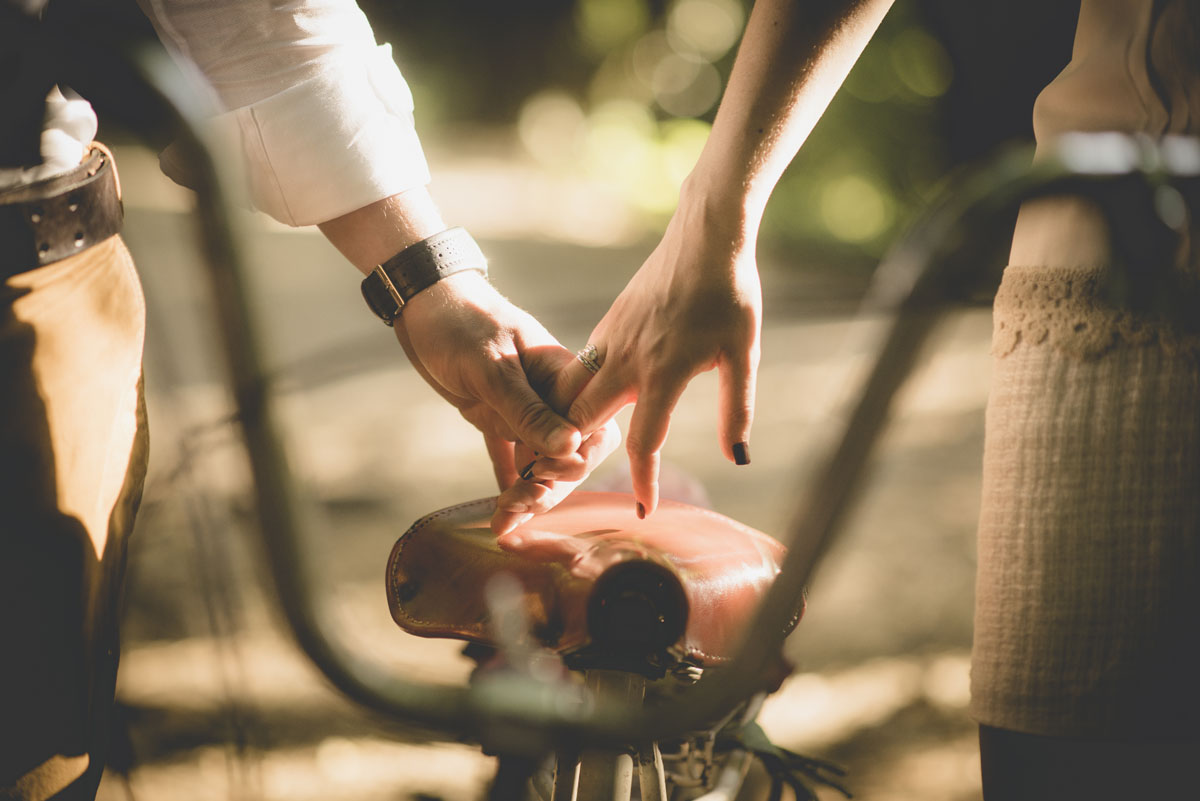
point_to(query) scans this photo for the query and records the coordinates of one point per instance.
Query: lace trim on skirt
(1066, 308)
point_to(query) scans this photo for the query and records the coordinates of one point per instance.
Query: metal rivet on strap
(35, 215)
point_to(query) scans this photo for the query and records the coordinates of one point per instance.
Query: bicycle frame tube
(916, 285)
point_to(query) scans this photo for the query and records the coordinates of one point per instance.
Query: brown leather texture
(51, 220)
(439, 567)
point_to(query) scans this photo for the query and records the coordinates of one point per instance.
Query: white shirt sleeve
(320, 112)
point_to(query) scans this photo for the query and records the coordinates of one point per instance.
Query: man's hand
(495, 363)
(540, 482)
(491, 360)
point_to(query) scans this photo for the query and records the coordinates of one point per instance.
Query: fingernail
(527, 470)
(741, 453)
(641, 511)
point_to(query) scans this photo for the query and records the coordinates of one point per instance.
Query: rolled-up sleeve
(320, 112)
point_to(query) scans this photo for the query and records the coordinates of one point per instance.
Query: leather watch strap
(419, 266)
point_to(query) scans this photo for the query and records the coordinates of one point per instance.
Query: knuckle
(741, 412)
(532, 415)
(582, 412)
(489, 385)
(638, 447)
(543, 505)
(500, 371)
(602, 442)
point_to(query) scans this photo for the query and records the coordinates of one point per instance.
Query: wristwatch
(419, 266)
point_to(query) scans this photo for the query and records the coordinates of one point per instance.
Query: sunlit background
(613, 99)
(559, 132)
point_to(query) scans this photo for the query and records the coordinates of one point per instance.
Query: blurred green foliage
(877, 156)
(626, 90)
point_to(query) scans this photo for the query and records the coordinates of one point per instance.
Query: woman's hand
(695, 304)
(538, 482)
(544, 482)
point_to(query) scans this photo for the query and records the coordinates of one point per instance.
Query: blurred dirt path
(220, 704)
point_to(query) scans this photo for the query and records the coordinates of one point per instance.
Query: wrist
(716, 216)
(453, 289)
(374, 233)
(393, 284)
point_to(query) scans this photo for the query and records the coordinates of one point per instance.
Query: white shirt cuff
(331, 144)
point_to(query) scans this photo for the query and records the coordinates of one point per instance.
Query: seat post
(566, 776)
(605, 775)
(652, 779)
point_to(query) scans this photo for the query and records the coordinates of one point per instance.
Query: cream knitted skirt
(1087, 618)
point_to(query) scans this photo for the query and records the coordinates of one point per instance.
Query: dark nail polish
(527, 470)
(641, 512)
(741, 453)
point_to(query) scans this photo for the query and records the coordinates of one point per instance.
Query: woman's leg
(1028, 767)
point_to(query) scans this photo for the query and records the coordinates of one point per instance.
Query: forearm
(374, 233)
(794, 56)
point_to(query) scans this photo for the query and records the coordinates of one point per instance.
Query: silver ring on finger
(589, 357)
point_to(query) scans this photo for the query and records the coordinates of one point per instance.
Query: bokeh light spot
(685, 86)
(921, 63)
(707, 28)
(606, 24)
(854, 209)
(872, 82)
(621, 142)
(649, 51)
(552, 128)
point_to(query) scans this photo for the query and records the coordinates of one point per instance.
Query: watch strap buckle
(389, 287)
(393, 293)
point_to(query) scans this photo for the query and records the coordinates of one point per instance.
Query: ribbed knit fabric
(1087, 618)
(1088, 598)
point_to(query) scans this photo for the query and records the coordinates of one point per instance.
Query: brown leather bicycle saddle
(586, 568)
